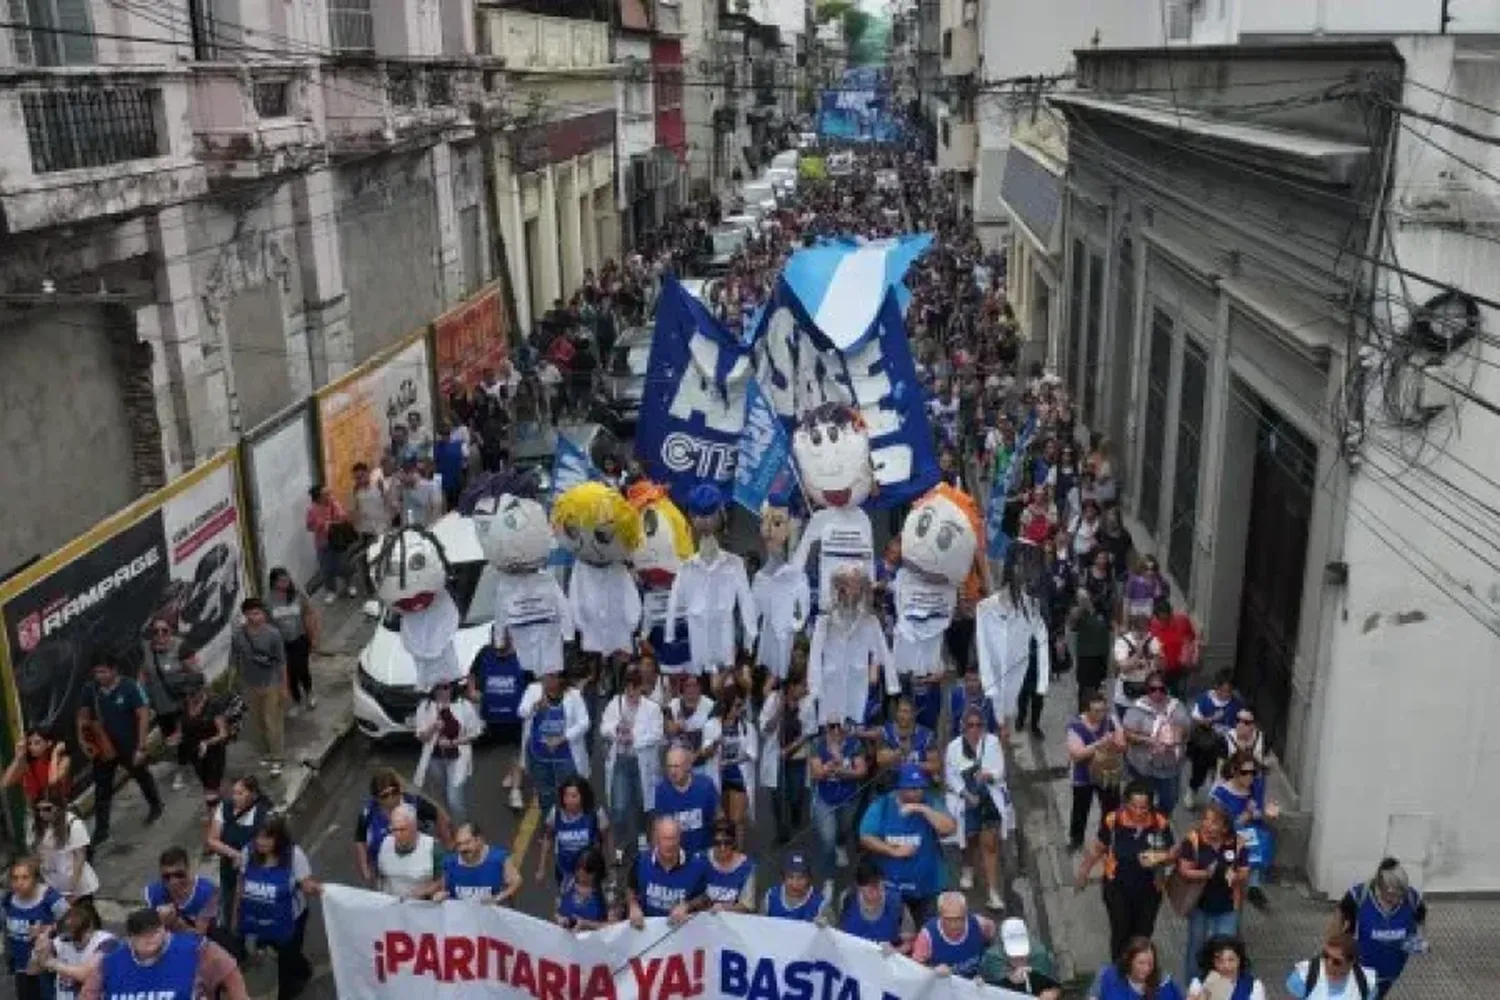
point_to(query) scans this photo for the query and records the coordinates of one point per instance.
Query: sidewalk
(1464, 961)
(128, 860)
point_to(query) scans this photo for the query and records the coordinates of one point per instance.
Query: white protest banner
(385, 949)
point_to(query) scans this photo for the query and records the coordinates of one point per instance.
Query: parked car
(759, 198)
(787, 159)
(783, 181)
(385, 693)
(725, 241)
(625, 379)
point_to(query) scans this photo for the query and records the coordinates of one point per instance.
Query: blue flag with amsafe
(570, 466)
(764, 465)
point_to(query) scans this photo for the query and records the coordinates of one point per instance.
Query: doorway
(1281, 503)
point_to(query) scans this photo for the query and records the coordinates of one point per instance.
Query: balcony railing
(531, 42)
(78, 127)
(351, 26)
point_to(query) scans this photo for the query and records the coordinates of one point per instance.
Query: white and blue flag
(570, 466)
(764, 466)
(841, 284)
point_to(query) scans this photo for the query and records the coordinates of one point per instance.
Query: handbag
(1106, 766)
(1183, 893)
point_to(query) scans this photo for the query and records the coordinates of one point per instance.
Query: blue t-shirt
(170, 977)
(960, 702)
(1221, 717)
(658, 890)
(1110, 985)
(21, 917)
(727, 885)
(1235, 802)
(776, 905)
(693, 808)
(1384, 937)
(268, 902)
(883, 928)
(837, 791)
(550, 721)
(573, 905)
(448, 457)
(465, 881)
(964, 956)
(202, 899)
(921, 742)
(571, 836)
(921, 875)
(501, 682)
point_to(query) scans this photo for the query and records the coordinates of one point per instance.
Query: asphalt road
(327, 835)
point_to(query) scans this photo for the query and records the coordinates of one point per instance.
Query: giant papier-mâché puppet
(411, 576)
(709, 587)
(666, 543)
(602, 531)
(782, 598)
(832, 450)
(940, 555)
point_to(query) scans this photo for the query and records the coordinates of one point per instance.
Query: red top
(34, 778)
(1173, 636)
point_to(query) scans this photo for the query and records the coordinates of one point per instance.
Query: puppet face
(775, 528)
(595, 523)
(513, 532)
(665, 536)
(412, 570)
(833, 456)
(938, 539)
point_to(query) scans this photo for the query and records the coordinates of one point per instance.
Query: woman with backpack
(206, 733)
(1335, 974)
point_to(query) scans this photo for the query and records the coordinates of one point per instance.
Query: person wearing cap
(795, 898)
(954, 941)
(870, 910)
(904, 829)
(1019, 975)
(158, 963)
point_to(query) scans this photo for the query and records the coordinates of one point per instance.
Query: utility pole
(1446, 17)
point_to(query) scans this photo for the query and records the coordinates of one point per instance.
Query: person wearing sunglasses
(1336, 974)
(1156, 728)
(731, 873)
(1242, 795)
(386, 793)
(185, 900)
(60, 841)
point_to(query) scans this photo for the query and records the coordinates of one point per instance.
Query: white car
(385, 694)
(783, 180)
(787, 159)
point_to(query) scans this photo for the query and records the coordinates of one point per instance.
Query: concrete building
(708, 119)
(209, 217)
(1278, 289)
(635, 122)
(554, 176)
(668, 79)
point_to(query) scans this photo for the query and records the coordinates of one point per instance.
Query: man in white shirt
(408, 864)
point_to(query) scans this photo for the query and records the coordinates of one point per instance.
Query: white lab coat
(770, 736)
(839, 662)
(991, 758)
(646, 735)
(1003, 636)
(575, 715)
(606, 607)
(706, 594)
(470, 727)
(924, 610)
(846, 540)
(713, 734)
(783, 603)
(533, 615)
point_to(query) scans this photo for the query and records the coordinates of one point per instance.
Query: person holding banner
(581, 905)
(871, 910)
(796, 897)
(904, 829)
(731, 874)
(478, 871)
(953, 943)
(667, 881)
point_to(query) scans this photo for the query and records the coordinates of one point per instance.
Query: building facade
(1277, 309)
(201, 214)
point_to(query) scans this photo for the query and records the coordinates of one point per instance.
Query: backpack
(234, 710)
(1315, 970)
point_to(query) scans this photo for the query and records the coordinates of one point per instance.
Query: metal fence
(68, 129)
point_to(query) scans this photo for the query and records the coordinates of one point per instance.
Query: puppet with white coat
(602, 531)
(632, 727)
(848, 647)
(832, 450)
(940, 554)
(666, 542)
(411, 575)
(709, 589)
(1010, 635)
(782, 598)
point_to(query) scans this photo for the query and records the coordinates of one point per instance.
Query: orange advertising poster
(356, 413)
(469, 338)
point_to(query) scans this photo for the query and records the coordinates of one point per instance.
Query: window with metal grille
(1093, 377)
(351, 26)
(90, 127)
(272, 98)
(401, 86)
(1154, 427)
(439, 86)
(61, 32)
(1184, 526)
(1079, 276)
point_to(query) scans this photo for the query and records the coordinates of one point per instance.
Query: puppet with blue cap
(782, 597)
(708, 589)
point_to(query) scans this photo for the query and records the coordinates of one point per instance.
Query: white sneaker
(508, 781)
(353, 590)
(841, 857)
(828, 892)
(994, 902)
(966, 879)
(1189, 801)
(312, 701)
(276, 769)
(292, 711)
(330, 597)
(178, 782)
(517, 801)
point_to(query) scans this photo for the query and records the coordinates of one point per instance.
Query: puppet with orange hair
(940, 554)
(666, 543)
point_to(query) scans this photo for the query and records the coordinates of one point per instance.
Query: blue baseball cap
(912, 776)
(705, 500)
(797, 865)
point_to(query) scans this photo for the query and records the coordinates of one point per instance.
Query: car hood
(386, 660)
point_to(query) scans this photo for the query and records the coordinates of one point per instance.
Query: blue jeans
(1201, 927)
(835, 825)
(444, 770)
(546, 775)
(627, 802)
(330, 568)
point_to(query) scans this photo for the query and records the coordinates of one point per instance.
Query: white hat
(1014, 939)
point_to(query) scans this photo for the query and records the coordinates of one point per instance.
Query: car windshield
(473, 587)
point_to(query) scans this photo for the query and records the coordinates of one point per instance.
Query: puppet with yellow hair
(940, 554)
(595, 523)
(667, 542)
